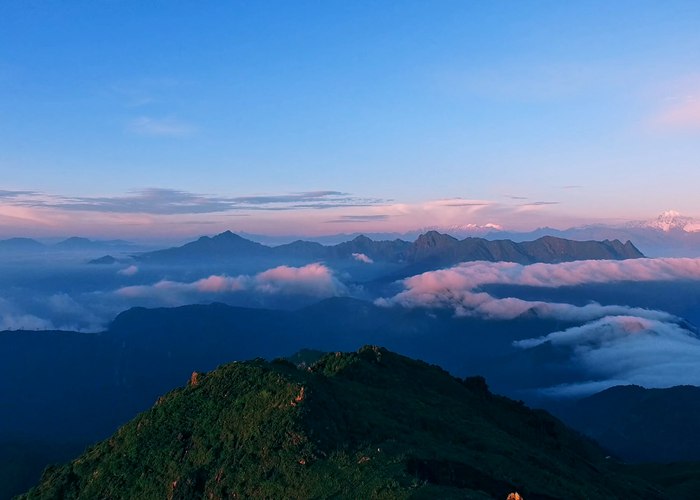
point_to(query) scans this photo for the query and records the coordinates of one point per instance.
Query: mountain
(382, 251)
(104, 260)
(548, 249)
(670, 220)
(50, 405)
(226, 245)
(431, 250)
(301, 249)
(640, 424)
(434, 250)
(78, 244)
(671, 234)
(370, 424)
(21, 245)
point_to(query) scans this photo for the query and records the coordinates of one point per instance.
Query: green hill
(370, 424)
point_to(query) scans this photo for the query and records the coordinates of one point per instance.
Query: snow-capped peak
(672, 220)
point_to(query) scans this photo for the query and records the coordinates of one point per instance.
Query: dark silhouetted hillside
(642, 425)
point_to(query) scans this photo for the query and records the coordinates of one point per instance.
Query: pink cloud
(682, 116)
(314, 280)
(457, 287)
(615, 344)
(473, 274)
(220, 284)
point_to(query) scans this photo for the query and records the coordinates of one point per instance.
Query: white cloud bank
(360, 257)
(315, 280)
(457, 287)
(616, 344)
(626, 350)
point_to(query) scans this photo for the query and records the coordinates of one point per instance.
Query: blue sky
(117, 117)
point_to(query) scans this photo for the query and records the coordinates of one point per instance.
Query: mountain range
(72, 244)
(369, 424)
(428, 251)
(669, 234)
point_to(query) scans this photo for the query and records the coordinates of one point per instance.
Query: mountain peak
(228, 234)
(352, 425)
(671, 220)
(362, 239)
(434, 238)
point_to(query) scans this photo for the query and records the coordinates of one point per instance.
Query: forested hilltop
(356, 425)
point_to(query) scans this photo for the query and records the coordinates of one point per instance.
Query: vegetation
(370, 424)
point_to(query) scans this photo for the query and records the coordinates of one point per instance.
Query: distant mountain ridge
(670, 234)
(21, 245)
(671, 220)
(647, 424)
(431, 248)
(72, 244)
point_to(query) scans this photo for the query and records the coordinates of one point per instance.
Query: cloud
(12, 214)
(160, 127)
(615, 344)
(23, 322)
(540, 203)
(13, 318)
(315, 280)
(128, 271)
(677, 107)
(681, 116)
(470, 275)
(145, 213)
(289, 198)
(358, 218)
(457, 287)
(176, 291)
(162, 201)
(148, 201)
(481, 304)
(15, 194)
(625, 350)
(466, 204)
(360, 257)
(71, 315)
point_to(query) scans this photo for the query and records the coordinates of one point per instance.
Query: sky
(142, 119)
